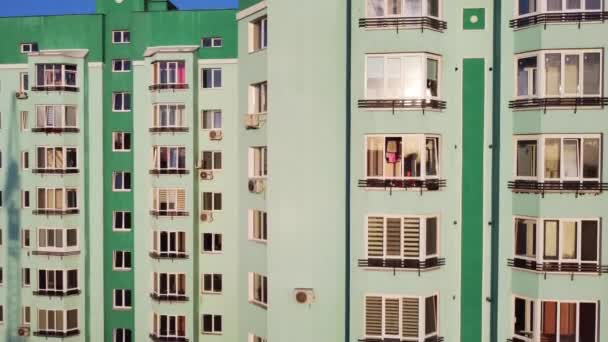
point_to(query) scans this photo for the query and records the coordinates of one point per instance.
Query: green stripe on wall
(472, 199)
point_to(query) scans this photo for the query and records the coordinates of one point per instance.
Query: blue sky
(39, 7)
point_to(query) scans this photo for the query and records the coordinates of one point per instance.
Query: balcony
(56, 253)
(168, 129)
(576, 187)
(48, 88)
(59, 212)
(161, 338)
(390, 339)
(558, 18)
(421, 104)
(170, 86)
(168, 213)
(168, 255)
(56, 293)
(559, 102)
(55, 130)
(404, 22)
(56, 171)
(169, 172)
(58, 334)
(169, 297)
(405, 264)
(557, 267)
(255, 120)
(406, 184)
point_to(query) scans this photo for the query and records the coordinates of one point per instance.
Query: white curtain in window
(571, 74)
(395, 83)
(375, 77)
(571, 157)
(569, 233)
(412, 66)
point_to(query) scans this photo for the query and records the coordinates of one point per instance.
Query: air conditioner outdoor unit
(206, 217)
(252, 121)
(23, 331)
(207, 175)
(256, 185)
(215, 134)
(304, 296)
(21, 95)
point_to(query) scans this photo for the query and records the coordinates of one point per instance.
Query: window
(169, 116)
(258, 225)
(169, 201)
(121, 181)
(558, 157)
(1, 314)
(26, 317)
(166, 243)
(24, 81)
(258, 33)
(403, 8)
(122, 299)
(258, 98)
(25, 238)
(61, 281)
(558, 240)
(169, 72)
(56, 75)
(168, 158)
(212, 243)
(60, 199)
(212, 283)
(405, 318)
(121, 102)
(56, 116)
(258, 289)
(121, 65)
(25, 160)
(58, 158)
(121, 221)
(57, 239)
(212, 78)
(168, 326)
(122, 260)
(169, 284)
(395, 237)
(23, 120)
(563, 321)
(121, 37)
(212, 324)
(1, 277)
(556, 73)
(25, 199)
(211, 42)
(212, 119)
(26, 279)
(57, 321)
(212, 201)
(28, 47)
(211, 160)
(531, 7)
(255, 338)
(122, 335)
(258, 162)
(121, 141)
(411, 156)
(0, 199)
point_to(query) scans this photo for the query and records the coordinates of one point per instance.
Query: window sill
(155, 87)
(55, 212)
(167, 255)
(168, 298)
(169, 172)
(576, 187)
(406, 264)
(558, 18)
(168, 129)
(405, 104)
(55, 88)
(56, 293)
(61, 334)
(406, 184)
(55, 171)
(545, 103)
(404, 22)
(557, 267)
(157, 213)
(157, 338)
(55, 130)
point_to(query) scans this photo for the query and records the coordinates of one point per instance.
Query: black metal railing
(553, 18)
(169, 297)
(168, 129)
(55, 171)
(164, 86)
(404, 22)
(168, 255)
(55, 130)
(55, 253)
(169, 172)
(157, 338)
(60, 334)
(381, 339)
(168, 213)
(566, 267)
(414, 264)
(389, 184)
(56, 293)
(394, 104)
(525, 186)
(55, 211)
(55, 88)
(559, 102)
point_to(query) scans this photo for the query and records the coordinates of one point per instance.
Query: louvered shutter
(373, 316)
(181, 200)
(391, 317)
(375, 237)
(409, 324)
(162, 199)
(393, 237)
(411, 237)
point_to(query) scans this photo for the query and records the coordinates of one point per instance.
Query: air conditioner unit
(304, 296)
(23, 331)
(206, 216)
(21, 95)
(215, 134)
(252, 121)
(256, 185)
(207, 175)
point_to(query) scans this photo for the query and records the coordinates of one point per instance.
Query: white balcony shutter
(373, 316)
(409, 324)
(375, 237)
(411, 237)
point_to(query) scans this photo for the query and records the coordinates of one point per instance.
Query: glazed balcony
(163, 338)
(559, 102)
(389, 339)
(168, 255)
(558, 18)
(405, 184)
(398, 23)
(56, 293)
(404, 104)
(557, 267)
(168, 86)
(404, 264)
(56, 334)
(169, 297)
(576, 187)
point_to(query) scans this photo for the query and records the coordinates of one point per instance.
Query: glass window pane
(432, 77)
(591, 158)
(394, 7)
(552, 158)
(593, 4)
(433, 8)
(525, 238)
(392, 166)
(524, 318)
(587, 330)
(571, 73)
(394, 83)
(431, 236)
(526, 158)
(569, 233)
(412, 67)
(411, 157)
(554, 5)
(527, 6)
(430, 319)
(571, 157)
(432, 156)
(374, 156)
(573, 4)
(553, 72)
(589, 241)
(413, 8)
(393, 237)
(567, 322)
(375, 77)
(548, 322)
(591, 73)
(551, 240)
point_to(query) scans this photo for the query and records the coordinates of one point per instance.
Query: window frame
(123, 95)
(541, 8)
(120, 135)
(214, 207)
(121, 255)
(263, 281)
(178, 277)
(123, 63)
(24, 81)
(423, 10)
(156, 160)
(122, 33)
(213, 42)
(64, 239)
(261, 161)
(212, 113)
(32, 47)
(64, 204)
(213, 71)
(172, 235)
(258, 34)
(49, 68)
(213, 161)
(127, 335)
(179, 115)
(214, 243)
(156, 324)
(263, 225)
(64, 276)
(172, 194)
(123, 175)
(212, 280)
(64, 155)
(157, 72)
(125, 294)
(64, 320)
(124, 214)
(214, 330)
(258, 98)
(47, 116)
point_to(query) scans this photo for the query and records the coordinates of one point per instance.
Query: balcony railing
(56, 253)
(163, 86)
(169, 172)
(56, 171)
(168, 298)
(60, 212)
(168, 129)
(55, 130)
(55, 88)
(576, 187)
(410, 264)
(564, 267)
(56, 293)
(559, 102)
(387, 339)
(168, 213)
(555, 18)
(415, 184)
(404, 22)
(160, 338)
(59, 334)
(168, 255)
(394, 104)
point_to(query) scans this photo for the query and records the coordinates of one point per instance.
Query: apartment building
(352, 170)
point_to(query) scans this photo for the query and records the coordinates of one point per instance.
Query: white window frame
(258, 155)
(214, 237)
(263, 281)
(541, 7)
(124, 331)
(156, 323)
(28, 47)
(122, 175)
(26, 241)
(123, 95)
(214, 207)
(24, 81)
(213, 71)
(120, 254)
(214, 42)
(172, 194)
(122, 37)
(424, 11)
(172, 235)
(540, 156)
(26, 315)
(213, 331)
(49, 68)
(64, 155)
(121, 137)
(64, 239)
(177, 277)
(26, 277)
(156, 72)
(258, 225)
(156, 160)
(52, 273)
(211, 113)
(23, 120)
(122, 213)
(212, 283)
(541, 73)
(48, 115)
(213, 167)
(121, 65)
(122, 293)
(258, 98)
(26, 199)
(64, 205)
(258, 26)
(64, 314)
(179, 113)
